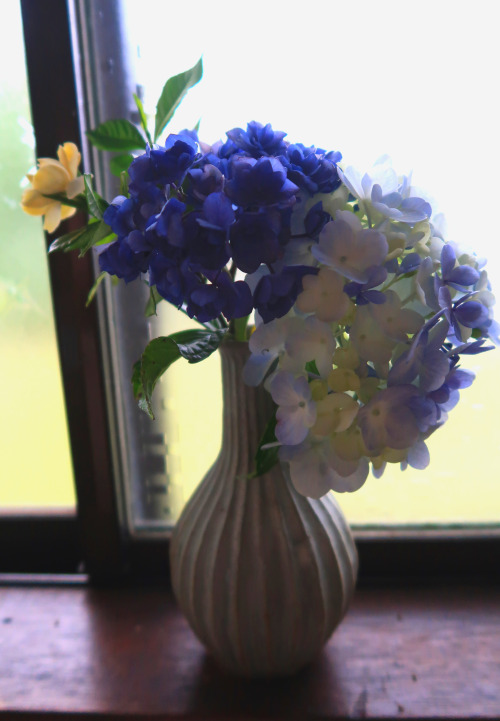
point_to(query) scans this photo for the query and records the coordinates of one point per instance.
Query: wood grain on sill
(398, 653)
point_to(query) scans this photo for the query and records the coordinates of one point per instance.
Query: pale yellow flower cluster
(54, 177)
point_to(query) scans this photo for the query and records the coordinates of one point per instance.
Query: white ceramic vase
(262, 574)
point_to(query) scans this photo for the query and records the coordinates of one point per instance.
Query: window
(100, 415)
(366, 83)
(36, 463)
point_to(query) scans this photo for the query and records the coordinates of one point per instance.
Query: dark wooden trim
(428, 560)
(47, 542)
(385, 558)
(55, 119)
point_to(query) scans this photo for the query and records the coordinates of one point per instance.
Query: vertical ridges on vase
(262, 574)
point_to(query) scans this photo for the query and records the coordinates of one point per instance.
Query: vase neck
(247, 410)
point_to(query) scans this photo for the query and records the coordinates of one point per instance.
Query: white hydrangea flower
(350, 249)
(394, 321)
(308, 340)
(296, 412)
(315, 469)
(389, 195)
(381, 174)
(323, 294)
(266, 343)
(368, 339)
(334, 414)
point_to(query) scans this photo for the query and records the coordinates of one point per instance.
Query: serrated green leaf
(120, 163)
(156, 359)
(142, 115)
(95, 203)
(116, 135)
(78, 202)
(172, 94)
(266, 458)
(94, 288)
(196, 345)
(214, 324)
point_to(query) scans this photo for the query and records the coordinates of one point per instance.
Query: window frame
(93, 539)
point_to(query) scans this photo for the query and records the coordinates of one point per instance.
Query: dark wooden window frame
(91, 540)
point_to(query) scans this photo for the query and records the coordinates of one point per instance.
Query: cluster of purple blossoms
(363, 310)
(193, 219)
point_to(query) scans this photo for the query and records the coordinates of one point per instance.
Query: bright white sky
(417, 81)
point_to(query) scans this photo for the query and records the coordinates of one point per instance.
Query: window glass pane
(36, 467)
(382, 78)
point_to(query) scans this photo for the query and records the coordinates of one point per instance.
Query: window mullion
(55, 119)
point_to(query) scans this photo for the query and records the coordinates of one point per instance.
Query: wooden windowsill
(399, 653)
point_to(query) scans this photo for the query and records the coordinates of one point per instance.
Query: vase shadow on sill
(217, 691)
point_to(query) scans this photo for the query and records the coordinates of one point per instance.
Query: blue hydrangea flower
(277, 292)
(203, 181)
(120, 260)
(387, 420)
(465, 312)
(315, 220)
(223, 295)
(364, 293)
(312, 169)
(459, 277)
(258, 140)
(426, 359)
(162, 166)
(172, 277)
(254, 240)
(259, 183)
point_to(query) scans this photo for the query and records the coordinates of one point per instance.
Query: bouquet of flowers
(356, 308)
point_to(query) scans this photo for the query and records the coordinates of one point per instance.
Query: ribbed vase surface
(262, 574)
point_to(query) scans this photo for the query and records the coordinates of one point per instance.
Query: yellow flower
(54, 176)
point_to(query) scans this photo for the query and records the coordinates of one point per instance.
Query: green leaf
(266, 458)
(194, 345)
(96, 204)
(154, 299)
(116, 135)
(197, 126)
(137, 387)
(142, 115)
(311, 367)
(158, 356)
(120, 163)
(215, 324)
(172, 94)
(97, 234)
(78, 202)
(69, 241)
(94, 288)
